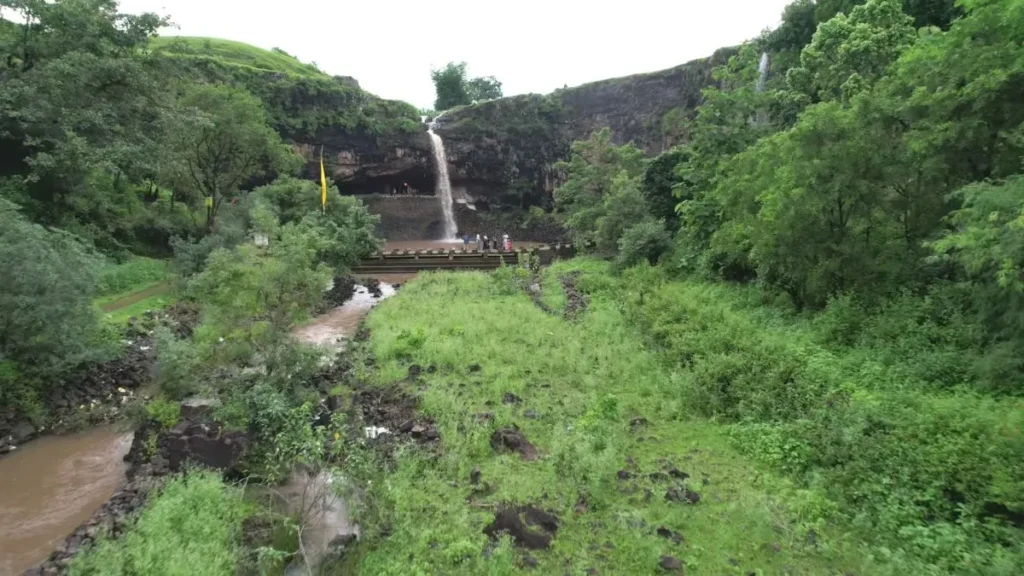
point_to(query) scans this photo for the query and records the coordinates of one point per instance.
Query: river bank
(87, 467)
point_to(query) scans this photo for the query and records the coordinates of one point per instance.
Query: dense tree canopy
(455, 88)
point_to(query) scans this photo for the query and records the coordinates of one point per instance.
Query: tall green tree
(347, 228)
(48, 323)
(596, 171)
(454, 88)
(848, 54)
(225, 143)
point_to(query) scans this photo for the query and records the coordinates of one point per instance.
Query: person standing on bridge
(507, 243)
(479, 243)
(465, 242)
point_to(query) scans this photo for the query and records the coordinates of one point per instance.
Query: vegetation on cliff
(454, 88)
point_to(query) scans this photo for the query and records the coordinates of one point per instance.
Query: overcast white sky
(530, 45)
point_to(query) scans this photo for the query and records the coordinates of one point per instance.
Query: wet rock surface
(511, 439)
(393, 409)
(342, 288)
(195, 439)
(529, 526)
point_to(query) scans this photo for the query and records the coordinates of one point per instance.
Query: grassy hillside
(609, 426)
(231, 52)
(300, 99)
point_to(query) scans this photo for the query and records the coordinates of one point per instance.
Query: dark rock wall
(502, 151)
(367, 164)
(407, 217)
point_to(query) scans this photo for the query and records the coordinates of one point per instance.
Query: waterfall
(444, 185)
(762, 68)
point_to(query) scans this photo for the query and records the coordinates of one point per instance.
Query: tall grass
(137, 273)
(887, 424)
(191, 528)
(581, 383)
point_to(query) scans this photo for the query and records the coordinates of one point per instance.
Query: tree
(596, 170)
(450, 86)
(252, 295)
(346, 226)
(454, 88)
(659, 184)
(225, 143)
(48, 323)
(483, 88)
(848, 54)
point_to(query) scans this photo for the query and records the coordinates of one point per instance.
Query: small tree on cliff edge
(453, 88)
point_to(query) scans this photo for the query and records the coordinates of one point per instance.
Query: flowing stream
(51, 485)
(444, 184)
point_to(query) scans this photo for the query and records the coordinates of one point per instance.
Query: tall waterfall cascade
(762, 69)
(444, 184)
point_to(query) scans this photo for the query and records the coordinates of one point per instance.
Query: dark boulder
(512, 440)
(529, 527)
(670, 564)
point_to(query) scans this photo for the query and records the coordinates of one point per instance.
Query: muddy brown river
(50, 486)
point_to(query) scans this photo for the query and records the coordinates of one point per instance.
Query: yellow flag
(323, 182)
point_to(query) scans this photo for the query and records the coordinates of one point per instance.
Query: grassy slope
(131, 288)
(233, 52)
(587, 380)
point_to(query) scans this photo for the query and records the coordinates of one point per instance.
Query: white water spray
(444, 185)
(762, 68)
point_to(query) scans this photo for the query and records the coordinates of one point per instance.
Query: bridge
(408, 261)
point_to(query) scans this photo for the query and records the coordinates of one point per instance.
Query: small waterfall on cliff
(762, 68)
(444, 185)
(761, 116)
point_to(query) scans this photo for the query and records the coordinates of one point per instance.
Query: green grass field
(131, 288)
(238, 53)
(581, 385)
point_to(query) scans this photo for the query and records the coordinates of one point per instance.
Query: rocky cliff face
(370, 145)
(367, 164)
(501, 151)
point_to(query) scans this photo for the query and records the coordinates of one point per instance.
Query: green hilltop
(232, 52)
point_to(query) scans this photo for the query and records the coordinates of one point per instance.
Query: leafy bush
(164, 411)
(347, 227)
(645, 241)
(45, 299)
(191, 526)
(176, 364)
(190, 255)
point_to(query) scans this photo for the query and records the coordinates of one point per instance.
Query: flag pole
(323, 182)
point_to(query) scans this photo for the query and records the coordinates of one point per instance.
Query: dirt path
(161, 288)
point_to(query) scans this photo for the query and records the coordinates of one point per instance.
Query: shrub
(192, 526)
(643, 242)
(49, 324)
(164, 411)
(176, 364)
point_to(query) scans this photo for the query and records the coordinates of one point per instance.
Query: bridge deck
(403, 261)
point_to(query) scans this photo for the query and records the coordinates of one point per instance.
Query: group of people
(403, 190)
(485, 243)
